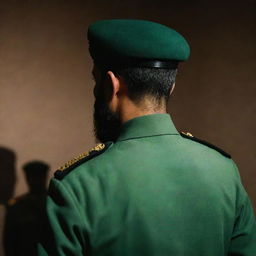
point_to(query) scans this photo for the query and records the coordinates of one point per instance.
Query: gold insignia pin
(187, 134)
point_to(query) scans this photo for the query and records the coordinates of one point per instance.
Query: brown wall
(46, 87)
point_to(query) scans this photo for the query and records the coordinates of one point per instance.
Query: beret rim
(148, 41)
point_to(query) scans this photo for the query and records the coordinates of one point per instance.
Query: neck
(130, 110)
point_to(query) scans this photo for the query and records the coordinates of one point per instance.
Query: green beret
(141, 43)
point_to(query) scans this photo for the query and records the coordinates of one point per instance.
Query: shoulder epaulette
(188, 135)
(82, 158)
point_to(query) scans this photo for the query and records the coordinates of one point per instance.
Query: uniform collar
(146, 126)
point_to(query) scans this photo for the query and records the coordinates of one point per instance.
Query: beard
(107, 124)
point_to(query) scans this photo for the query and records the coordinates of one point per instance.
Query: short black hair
(154, 82)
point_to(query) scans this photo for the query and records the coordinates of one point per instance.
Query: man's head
(126, 93)
(135, 67)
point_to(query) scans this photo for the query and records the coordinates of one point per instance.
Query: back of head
(154, 84)
(145, 54)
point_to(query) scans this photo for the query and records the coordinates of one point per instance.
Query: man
(147, 189)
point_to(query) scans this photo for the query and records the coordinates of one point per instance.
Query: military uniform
(154, 191)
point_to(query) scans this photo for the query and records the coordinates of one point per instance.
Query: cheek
(99, 106)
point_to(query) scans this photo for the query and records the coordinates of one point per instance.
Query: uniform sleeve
(64, 227)
(243, 241)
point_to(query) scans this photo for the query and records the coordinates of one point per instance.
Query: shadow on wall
(7, 174)
(25, 213)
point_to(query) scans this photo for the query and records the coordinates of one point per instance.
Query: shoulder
(209, 160)
(189, 136)
(74, 163)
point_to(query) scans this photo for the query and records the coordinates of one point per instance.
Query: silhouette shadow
(7, 174)
(24, 214)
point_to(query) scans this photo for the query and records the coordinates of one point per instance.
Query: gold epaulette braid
(99, 147)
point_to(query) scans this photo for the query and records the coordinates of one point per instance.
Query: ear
(115, 84)
(173, 86)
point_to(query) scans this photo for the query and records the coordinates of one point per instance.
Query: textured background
(46, 88)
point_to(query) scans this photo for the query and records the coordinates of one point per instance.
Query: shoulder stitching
(188, 135)
(82, 158)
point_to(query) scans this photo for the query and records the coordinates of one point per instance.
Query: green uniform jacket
(152, 192)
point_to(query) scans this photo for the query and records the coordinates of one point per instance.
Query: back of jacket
(153, 192)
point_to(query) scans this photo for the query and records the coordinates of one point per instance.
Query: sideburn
(107, 125)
